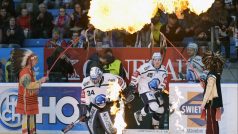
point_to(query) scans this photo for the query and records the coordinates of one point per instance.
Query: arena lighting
(132, 15)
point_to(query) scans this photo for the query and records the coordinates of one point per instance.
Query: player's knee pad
(157, 116)
(154, 107)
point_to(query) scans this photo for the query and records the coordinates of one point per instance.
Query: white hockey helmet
(95, 75)
(156, 55)
(193, 46)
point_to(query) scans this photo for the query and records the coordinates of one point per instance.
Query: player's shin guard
(155, 108)
(91, 123)
(106, 122)
(156, 118)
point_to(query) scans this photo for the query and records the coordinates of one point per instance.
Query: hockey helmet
(156, 55)
(193, 46)
(95, 75)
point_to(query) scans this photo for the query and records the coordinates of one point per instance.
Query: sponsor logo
(192, 109)
(56, 108)
(146, 68)
(86, 83)
(111, 80)
(8, 118)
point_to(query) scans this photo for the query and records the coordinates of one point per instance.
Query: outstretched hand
(129, 98)
(128, 94)
(218, 114)
(43, 79)
(203, 114)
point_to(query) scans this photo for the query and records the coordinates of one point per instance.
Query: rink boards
(186, 100)
(58, 107)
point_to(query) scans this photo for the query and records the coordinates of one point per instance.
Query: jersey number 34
(90, 93)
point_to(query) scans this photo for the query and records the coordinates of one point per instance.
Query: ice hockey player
(94, 102)
(195, 67)
(151, 79)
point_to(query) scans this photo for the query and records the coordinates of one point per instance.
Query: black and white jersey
(90, 91)
(146, 73)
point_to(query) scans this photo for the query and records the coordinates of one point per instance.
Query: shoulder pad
(86, 81)
(111, 80)
(163, 67)
(109, 77)
(146, 66)
(197, 58)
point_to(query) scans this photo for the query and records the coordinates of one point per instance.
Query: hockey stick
(80, 120)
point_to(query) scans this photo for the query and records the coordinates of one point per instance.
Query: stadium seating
(55, 12)
(38, 42)
(35, 42)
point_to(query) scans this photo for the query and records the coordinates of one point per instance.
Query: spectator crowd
(31, 19)
(65, 22)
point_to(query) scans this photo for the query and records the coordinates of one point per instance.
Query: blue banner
(57, 108)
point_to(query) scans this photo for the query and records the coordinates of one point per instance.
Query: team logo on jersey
(86, 83)
(146, 68)
(111, 80)
(192, 109)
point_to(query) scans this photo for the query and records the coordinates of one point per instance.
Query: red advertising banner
(131, 58)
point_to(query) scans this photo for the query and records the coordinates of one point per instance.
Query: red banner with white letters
(131, 59)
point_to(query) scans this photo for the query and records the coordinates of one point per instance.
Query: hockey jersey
(90, 91)
(147, 74)
(195, 69)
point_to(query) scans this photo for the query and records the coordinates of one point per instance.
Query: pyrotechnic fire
(114, 109)
(132, 15)
(175, 100)
(200, 6)
(113, 93)
(120, 124)
(129, 15)
(173, 6)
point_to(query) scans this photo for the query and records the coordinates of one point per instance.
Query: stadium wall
(58, 107)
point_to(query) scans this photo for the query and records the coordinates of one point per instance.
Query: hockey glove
(128, 93)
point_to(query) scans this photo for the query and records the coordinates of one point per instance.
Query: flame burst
(132, 15)
(129, 15)
(113, 93)
(175, 100)
(200, 6)
(173, 6)
(120, 124)
(178, 6)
